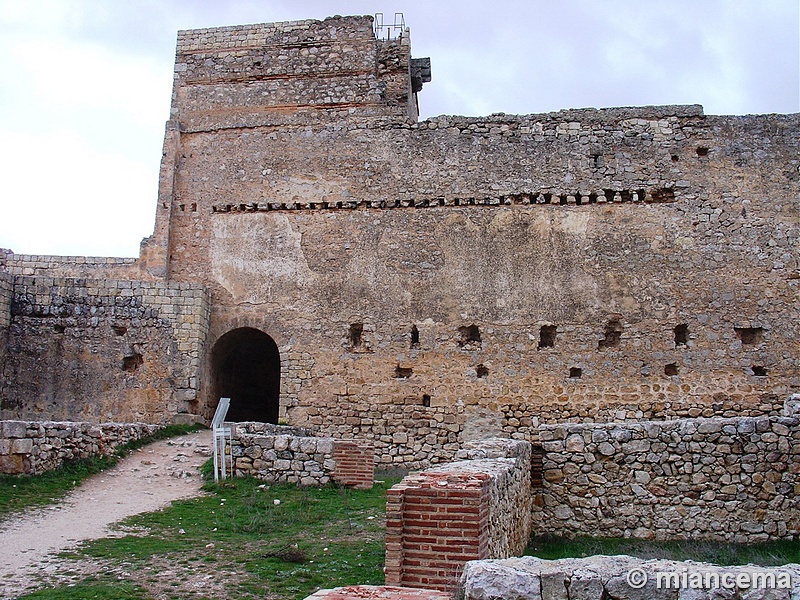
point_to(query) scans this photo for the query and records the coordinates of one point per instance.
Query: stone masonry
(475, 508)
(6, 295)
(420, 284)
(33, 447)
(294, 455)
(607, 577)
(103, 350)
(735, 480)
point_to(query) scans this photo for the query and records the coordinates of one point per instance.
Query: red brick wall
(355, 463)
(435, 522)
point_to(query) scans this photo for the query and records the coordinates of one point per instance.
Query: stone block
(12, 464)
(21, 446)
(13, 429)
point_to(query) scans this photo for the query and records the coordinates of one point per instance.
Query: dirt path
(147, 480)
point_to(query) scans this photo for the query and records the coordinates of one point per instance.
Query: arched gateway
(246, 367)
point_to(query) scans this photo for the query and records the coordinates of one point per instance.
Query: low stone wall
(292, 455)
(618, 577)
(735, 480)
(33, 447)
(475, 508)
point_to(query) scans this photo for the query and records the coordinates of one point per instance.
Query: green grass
(314, 538)
(767, 554)
(18, 492)
(91, 590)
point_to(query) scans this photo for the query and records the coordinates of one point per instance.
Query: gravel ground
(147, 480)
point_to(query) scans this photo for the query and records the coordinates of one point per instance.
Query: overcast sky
(85, 84)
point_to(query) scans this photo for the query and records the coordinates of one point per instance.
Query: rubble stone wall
(33, 447)
(442, 517)
(428, 283)
(735, 479)
(104, 350)
(292, 455)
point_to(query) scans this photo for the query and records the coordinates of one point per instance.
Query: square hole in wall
(681, 334)
(537, 467)
(575, 372)
(671, 369)
(547, 336)
(132, 362)
(469, 334)
(749, 336)
(354, 335)
(414, 337)
(403, 372)
(481, 371)
(426, 400)
(759, 371)
(611, 335)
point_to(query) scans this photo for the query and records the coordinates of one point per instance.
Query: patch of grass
(18, 492)
(90, 590)
(257, 548)
(721, 553)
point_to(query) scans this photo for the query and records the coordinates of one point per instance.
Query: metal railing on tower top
(388, 31)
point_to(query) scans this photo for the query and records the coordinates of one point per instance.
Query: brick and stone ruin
(576, 322)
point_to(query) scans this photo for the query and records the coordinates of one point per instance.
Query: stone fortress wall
(86, 267)
(468, 276)
(103, 350)
(427, 283)
(615, 290)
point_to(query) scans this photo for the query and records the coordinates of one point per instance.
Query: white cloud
(61, 196)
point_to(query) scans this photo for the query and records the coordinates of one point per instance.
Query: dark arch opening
(246, 367)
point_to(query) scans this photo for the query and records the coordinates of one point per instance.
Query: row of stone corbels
(568, 197)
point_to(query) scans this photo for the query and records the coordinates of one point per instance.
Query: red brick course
(355, 463)
(435, 522)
